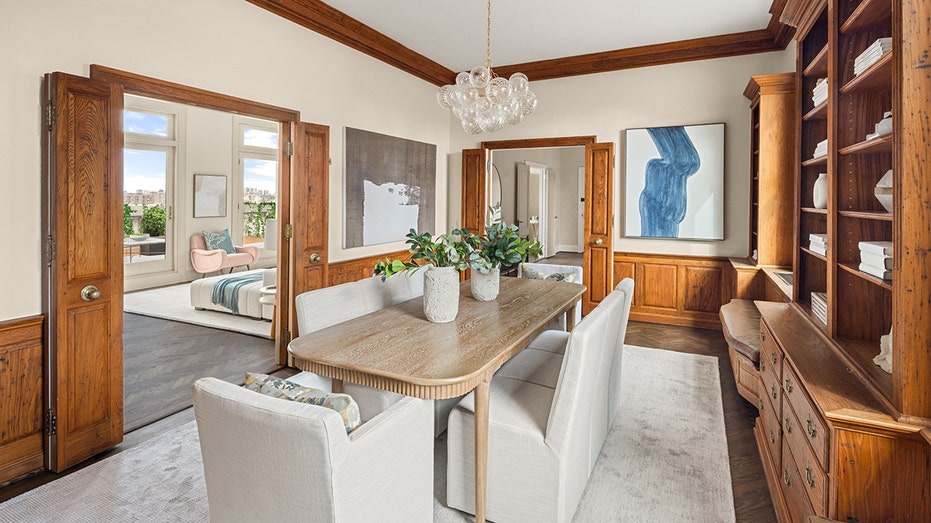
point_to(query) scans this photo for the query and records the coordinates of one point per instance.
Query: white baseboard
(569, 247)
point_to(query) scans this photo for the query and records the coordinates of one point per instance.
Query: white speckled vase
(485, 286)
(441, 294)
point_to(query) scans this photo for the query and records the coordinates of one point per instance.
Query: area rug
(174, 303)
(664, 460)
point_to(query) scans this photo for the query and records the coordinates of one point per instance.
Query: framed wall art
(675, 182)
(390, 188)
(209, 195)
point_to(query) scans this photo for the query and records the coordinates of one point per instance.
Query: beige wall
(603, 105)
(231, 47)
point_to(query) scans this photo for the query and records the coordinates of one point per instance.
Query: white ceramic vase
(441, 294)
(485, 286)
(820, 192)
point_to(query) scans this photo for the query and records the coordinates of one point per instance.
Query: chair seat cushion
(343, 404)
(515, 404)
(540, 367)
(740, 322)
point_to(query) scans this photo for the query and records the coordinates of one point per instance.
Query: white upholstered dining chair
(270, 459)
(551, 408)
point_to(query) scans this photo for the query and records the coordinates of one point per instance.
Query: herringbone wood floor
(752, 501)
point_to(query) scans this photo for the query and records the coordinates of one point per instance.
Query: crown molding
(321, 18)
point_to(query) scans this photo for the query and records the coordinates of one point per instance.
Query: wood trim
(321, 18)
(144, 85)
(359, 268)
(680, 290)
(21, 440)
(781, 32)
(707, 48)
(534, 143)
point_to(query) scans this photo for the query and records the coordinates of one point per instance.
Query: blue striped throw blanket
(226, 291)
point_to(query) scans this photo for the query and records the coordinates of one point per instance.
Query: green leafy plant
(127, 220)
(500, 246)
(446, 250)
(153, 220)
(256, 214)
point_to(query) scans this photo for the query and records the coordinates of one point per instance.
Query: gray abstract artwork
(390, 188)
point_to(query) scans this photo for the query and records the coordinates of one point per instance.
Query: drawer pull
(762, 335)
(772, 392)
(812, 432)
(788, 385)
(762, 365)
(772, 436)
(772, 357)
(809, 475)
(761, 404)
(786, 477)
(788, 426)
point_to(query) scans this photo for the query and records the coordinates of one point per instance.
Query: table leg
(481, 447)
(570, 318)
(337, 386)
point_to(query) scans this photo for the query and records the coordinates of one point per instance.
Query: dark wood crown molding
(324, 19)
(321, 18)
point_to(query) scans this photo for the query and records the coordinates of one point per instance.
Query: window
(257, 157)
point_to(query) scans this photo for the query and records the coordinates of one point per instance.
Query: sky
(145, 169)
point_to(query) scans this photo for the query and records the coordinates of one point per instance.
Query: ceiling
(435, 39)
(453, 33)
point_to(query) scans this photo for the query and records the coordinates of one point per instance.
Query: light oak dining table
(398, 350)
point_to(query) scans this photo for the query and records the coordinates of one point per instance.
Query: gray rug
(174, 303)
(665, 460)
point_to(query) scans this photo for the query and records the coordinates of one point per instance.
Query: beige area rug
(174, 303)
(665, 460)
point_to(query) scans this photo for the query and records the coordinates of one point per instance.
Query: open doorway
(540, 190)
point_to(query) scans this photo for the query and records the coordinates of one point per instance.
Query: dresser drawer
(772, 392)
(812, 478)
(770, 355)
(771, 428)
(812, 426)
(793, 488)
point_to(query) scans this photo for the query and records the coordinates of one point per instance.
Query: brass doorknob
(314, 258)
(90, 293)
(597, 242)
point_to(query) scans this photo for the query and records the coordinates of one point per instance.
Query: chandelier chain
(488, 48)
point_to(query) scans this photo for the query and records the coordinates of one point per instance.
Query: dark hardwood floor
(752, 501)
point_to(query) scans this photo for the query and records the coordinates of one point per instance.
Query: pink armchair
(205, 261)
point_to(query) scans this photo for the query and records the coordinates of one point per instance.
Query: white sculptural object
(884, 359)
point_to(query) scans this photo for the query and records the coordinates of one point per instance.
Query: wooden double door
(82, 151)
(598, 253)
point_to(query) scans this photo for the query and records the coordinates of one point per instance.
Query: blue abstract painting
(675, 182)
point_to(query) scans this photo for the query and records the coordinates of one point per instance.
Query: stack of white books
(819, 306)
(820, 93)
(876, 259)
(818, 243)
(821, 149)
(871, 55)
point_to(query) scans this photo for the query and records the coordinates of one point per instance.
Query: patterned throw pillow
(533, 274)
(219, 240)
(343, 404)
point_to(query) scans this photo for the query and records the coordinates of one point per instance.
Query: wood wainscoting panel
(21, 421)
(676, 290)
(355, 270)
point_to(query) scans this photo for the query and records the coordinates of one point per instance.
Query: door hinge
(49, 250)
(330, 160)
(288, 231)
(51, 114)
(51, 423)
(286, 337)
(171, 212)
(289, 148)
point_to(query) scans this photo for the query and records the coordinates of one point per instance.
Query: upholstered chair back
(625, 291)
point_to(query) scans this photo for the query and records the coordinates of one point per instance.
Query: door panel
(309, 194)
(598, 258)
(474, 196)
(83, 283)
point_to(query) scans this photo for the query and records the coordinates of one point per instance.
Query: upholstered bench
(740, 322)
(249, 294)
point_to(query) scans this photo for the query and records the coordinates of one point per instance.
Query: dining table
(398, 350)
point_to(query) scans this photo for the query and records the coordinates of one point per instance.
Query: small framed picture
(209, 195)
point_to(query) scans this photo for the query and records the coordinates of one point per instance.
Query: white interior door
(523, 217)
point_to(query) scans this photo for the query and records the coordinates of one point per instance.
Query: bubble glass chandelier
(483, 101)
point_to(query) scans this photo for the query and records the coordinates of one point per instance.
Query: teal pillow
(219, 240)
(343, 404)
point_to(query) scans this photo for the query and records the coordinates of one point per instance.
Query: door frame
(163, 90)
(530, 143)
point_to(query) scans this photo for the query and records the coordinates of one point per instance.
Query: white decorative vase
(820, 192)
(441, 294)
(485, 286)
